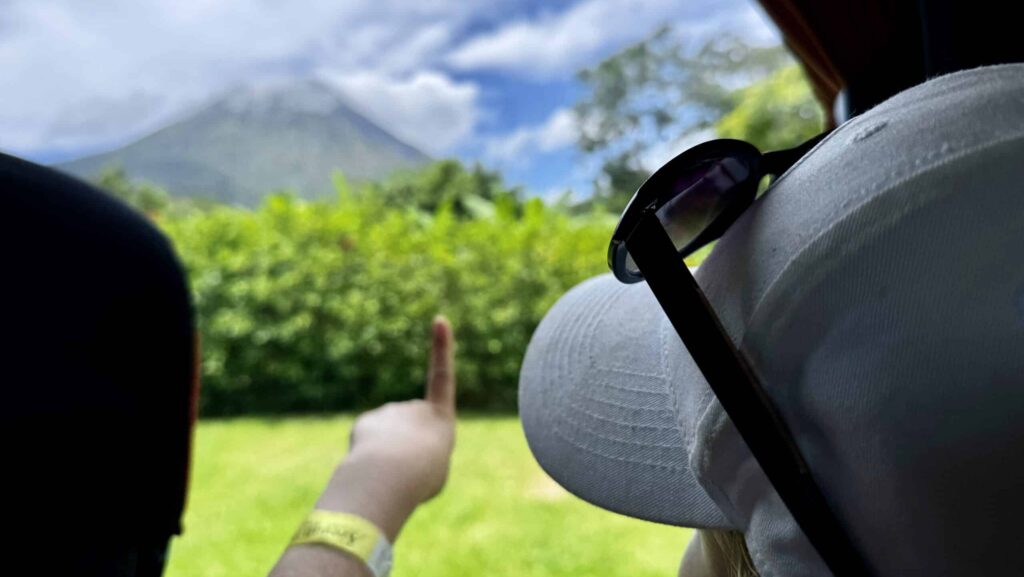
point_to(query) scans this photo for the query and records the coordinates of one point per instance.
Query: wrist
(363, 486)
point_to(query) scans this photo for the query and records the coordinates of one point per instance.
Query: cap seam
(633, 425)
(624, 406)
(945, 153)
(592, 432)
(684, 434)
(603, 455)
(715, 411)
(619, 368)
(588, 327)
(611, 385)
(570, 393)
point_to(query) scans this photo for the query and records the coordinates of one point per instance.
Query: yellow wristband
(349, 533)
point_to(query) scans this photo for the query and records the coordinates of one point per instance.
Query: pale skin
(398, 458)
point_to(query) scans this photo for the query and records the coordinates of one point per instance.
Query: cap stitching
(624, 406)
(651, 464)
(632, 425)
(613, 385)
(599, 435)
(684, 433)
(581, 323)
(623, 369)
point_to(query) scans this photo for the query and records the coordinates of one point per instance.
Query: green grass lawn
(254, 479)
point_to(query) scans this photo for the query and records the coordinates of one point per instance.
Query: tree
(777, 112)
(662, 91)
(326, 305)
(468, 192)
(146, 197)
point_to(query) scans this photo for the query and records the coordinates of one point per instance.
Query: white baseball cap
(878, 290)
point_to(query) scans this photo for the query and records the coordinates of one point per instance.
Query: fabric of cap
(878, 291)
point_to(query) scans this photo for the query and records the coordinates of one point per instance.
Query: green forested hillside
(259, 139)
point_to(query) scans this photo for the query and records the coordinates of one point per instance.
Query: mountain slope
(259, 139)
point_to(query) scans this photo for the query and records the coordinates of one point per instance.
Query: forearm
(362, 486)
(318, 561)
(399, 458)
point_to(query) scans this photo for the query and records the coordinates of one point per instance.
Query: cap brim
(610, 399)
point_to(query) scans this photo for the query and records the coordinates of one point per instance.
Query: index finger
(441, 377)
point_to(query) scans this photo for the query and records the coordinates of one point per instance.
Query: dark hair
(98, 356)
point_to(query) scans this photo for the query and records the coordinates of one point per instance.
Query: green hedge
(314, 306)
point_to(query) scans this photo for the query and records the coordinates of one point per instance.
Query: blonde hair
(726, 553)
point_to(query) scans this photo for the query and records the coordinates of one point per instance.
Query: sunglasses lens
(700, 196)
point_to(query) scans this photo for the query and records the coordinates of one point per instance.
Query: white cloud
(81, 76)
(558, 131)
(426, 109)
(559, 44)
(89, 74)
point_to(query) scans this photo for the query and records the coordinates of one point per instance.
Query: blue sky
(483, 80)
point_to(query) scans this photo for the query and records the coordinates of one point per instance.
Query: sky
(490, 81)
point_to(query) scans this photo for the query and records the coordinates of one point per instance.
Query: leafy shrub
(778, 112)
(313, 306)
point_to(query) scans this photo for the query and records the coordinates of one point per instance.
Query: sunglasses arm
(738, 390)
(777, 162)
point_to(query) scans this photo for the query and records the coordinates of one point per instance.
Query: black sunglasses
(685, 205)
